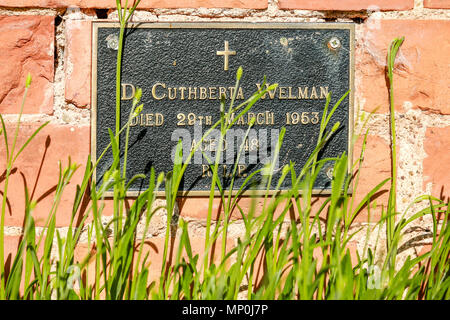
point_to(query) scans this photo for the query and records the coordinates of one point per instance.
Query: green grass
(287, 246)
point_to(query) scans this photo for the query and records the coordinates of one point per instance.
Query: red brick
(260, 264)
(39, 166)
(11, 248)
(197, 207)
(26, 46)
(106, 207)
(436, 164)
(375, 168)
(425, 249)
(346, 5)
(155, 248)
(11, 245)
(144, 4)
(421, 72)
(437, 4)
(77, 65)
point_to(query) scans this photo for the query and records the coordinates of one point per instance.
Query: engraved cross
(226, 53)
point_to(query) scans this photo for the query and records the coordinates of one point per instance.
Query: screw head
(329, 173)
(334, 43)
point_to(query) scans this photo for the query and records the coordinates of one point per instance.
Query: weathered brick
(77, 64)
(11, 248)
(155, 249)
(347, 5)
(375, 168)
(26, 46)
(421, 72)
(37, 169)
(197, 207)
(144, 4)
(437, 4)
(435, 165)
(11, 244)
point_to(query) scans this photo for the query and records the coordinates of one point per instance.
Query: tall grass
(303, 251)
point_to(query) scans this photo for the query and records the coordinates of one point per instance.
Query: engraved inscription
(226, 53)
(186, 93)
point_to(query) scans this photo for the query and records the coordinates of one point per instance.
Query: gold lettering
(193, 145)
(323, 92)
(254, 144)
(314, 93)
(208, 120)
(159, 119)
(225, 145)
(192, 93)
(124, 91)
(290, 94)
(181, 119)
(282, 93)
(154, 91)
(241, 169)
(149, 119)
(134, 122)
(203, 146)
(269, 117)
(203, 95)
(240, 94)
(160, 91)
(231, 118)
(222, 92)
(212, 145)
(303, 94)
(206, 172)
(250, 116)
(260, 118)
(212, 93)
(174, 95)
(271, 92)
(258, 85)
(231, 91)
(225, 174)
(182, 90)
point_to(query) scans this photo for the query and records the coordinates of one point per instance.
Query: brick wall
(51, 39)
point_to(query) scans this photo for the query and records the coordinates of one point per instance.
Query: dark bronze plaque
(184, 68)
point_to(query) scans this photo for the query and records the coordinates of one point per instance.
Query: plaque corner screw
(334, 43)
(329, 173)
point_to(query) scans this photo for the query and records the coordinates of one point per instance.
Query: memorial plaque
(184, 69)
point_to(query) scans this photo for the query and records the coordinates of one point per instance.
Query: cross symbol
(226, 53)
